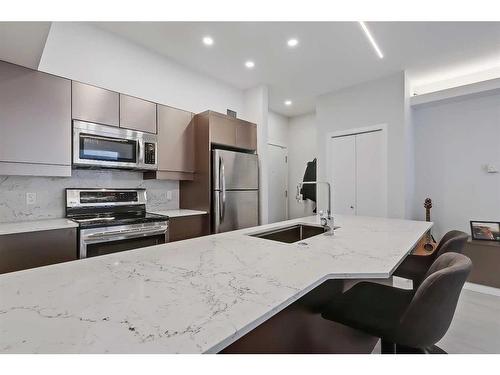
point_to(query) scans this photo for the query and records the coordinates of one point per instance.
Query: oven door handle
(116, 236)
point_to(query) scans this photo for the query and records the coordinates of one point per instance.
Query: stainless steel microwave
(101, 146)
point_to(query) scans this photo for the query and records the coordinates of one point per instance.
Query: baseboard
(482, 289)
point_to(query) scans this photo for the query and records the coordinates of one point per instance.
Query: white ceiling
(330, 55)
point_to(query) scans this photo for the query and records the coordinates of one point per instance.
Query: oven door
(108, 240)
(105, 146)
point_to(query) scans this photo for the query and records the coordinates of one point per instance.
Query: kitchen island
(193, 296)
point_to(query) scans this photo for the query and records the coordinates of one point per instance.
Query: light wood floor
(476, 325)
(475, 328)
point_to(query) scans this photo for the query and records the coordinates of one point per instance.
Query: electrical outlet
(30, 198)
(169, 195)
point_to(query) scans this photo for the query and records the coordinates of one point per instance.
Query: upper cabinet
(246, 135)
(176, 149)
(35, 122)
(222, 129)
(137, 114)
(229, 131)
(93, 104)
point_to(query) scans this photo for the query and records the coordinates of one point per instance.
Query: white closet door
(343, 174)
(371, 174)
(278, 184)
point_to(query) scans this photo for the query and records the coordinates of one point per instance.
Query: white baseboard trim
(482, 289)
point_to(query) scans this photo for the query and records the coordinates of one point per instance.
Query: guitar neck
(428, 218)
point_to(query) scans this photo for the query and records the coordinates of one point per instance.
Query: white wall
(302, 148)
(372, 103)
(89, 54)
(277, 129)
(256, 110)
(453, 141)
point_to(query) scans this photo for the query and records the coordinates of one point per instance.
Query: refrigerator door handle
(223, 189)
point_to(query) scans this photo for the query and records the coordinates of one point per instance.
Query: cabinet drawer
(21, 251)
(184, 227)
(137, 114)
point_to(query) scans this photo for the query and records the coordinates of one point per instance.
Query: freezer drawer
(240, 209)
(238, 169)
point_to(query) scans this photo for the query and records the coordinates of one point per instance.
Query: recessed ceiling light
(288, 103)
(371, 39)
(208, 41)
(292, 42)
(249, 64)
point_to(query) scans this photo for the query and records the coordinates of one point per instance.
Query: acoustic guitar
(427, 244)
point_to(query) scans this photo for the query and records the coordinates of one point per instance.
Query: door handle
(223, 187)
(116, 236)
(140, 158)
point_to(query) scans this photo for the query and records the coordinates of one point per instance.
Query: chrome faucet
(326, 222)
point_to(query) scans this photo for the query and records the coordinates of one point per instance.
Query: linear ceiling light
(371, 39)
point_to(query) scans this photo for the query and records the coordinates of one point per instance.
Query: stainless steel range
(113, 220)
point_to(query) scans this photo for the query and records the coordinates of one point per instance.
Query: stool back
(453, 241)
(431, 310)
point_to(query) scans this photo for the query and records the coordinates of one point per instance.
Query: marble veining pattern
(50, 192)
(193, 296)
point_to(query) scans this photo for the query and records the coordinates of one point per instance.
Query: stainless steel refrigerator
(235, 203)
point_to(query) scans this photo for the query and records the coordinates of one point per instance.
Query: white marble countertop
(35, 226)
(192, 296)
(179, 212)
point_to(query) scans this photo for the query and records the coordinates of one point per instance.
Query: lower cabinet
(184, 227)
(485, 257)
(21, 251)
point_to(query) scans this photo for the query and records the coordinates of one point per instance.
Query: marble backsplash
(50, 201)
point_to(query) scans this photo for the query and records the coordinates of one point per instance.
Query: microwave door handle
(223, 188)
(103, 138)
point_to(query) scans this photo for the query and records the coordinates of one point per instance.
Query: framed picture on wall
(485, 230)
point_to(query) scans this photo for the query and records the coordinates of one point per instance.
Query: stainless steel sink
(292, 233)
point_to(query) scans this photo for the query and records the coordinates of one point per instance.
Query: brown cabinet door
(93, 104)
(222, 130)
(137, 114)
(175, 140)
(35, 116)
(21, 251)
(246, 136)
(182, 228)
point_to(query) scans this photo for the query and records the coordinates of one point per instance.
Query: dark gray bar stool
(415, 267)
(405, 320)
